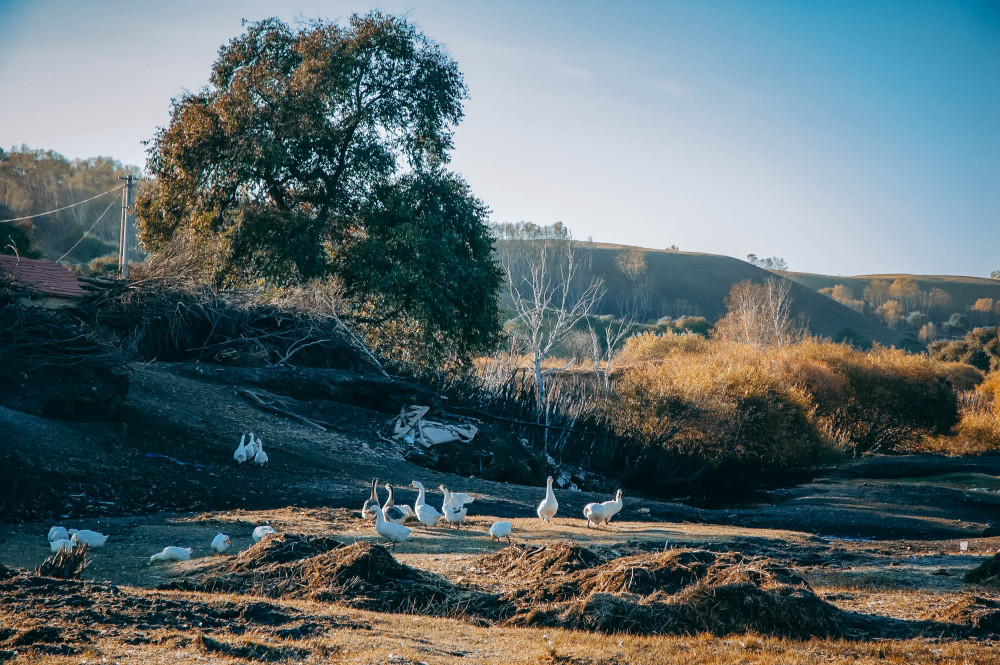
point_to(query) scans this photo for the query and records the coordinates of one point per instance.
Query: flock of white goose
(252, 452)
(389, 517)
(62, 539)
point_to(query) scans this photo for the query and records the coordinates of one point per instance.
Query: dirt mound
(362, 575)
(680, 591)
(980, 614)
(645, 574)
(48, 616)
(988, 572)
(532, 563)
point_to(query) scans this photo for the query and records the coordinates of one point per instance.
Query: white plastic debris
(411, 427)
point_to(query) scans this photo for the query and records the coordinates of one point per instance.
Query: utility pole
(126, 231)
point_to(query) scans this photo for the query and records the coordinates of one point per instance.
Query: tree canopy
(320, 151)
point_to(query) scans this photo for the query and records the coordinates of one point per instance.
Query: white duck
(241, 451)
(261, 531)
(500, 530)
(88, 537)
(597, 513)
(367, 510)
(60, 544)
(454, 505)
(548, 507)
(392, 512)
(221, 543)
(425, 513)
(58, 533)
(394, 533)
(171, 553)
(260, 459)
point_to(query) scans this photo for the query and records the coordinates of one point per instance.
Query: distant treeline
(37, 181)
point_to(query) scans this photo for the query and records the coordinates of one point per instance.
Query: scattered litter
(410, 427)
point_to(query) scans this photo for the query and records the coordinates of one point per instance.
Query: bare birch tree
(760, 314)
(606, 344)
(547, 291)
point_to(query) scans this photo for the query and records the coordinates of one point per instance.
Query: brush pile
(57, 367)
(158, 317)
(65, 564)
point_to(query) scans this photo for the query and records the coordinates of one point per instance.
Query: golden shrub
(651, 346)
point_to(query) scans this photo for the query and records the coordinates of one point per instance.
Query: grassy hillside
(689, 283)
(964, 290)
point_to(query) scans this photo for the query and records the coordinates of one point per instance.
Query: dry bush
(978, 431)
(991, 389)
(772, 408)
(651, 346)
(887, 399)
(725, 407)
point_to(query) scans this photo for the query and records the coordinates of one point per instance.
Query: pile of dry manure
(988, 572)
(981, 615)
(362, 575)
(680, 591)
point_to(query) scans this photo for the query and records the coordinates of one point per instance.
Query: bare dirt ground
(878, 541)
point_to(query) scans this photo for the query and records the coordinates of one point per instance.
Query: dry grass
(311, 632)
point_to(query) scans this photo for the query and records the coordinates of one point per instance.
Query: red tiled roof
(41, 275)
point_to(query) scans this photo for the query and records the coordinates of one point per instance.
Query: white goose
(260, 532)
(60, 544)
(91, 538)
(58, 533)
(392, 512)
(241, 451)
(367, 510)
(596, 513)
(548, 507)
(500, 530)
(251, 447)
(394, 533)
(221, 543)
(425, 513)
(171, 553)
(260, 459)
(454, 505)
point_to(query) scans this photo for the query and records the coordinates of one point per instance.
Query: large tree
(293, 161)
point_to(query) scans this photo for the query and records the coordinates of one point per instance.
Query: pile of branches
(66, 564)
(162, 318)
(57, 366)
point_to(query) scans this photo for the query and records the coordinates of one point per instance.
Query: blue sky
(847, 137)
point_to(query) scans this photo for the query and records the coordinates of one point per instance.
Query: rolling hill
(964, 290)
(689, 283)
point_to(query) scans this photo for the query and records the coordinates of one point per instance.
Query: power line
(87, 231)
(72, 205)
